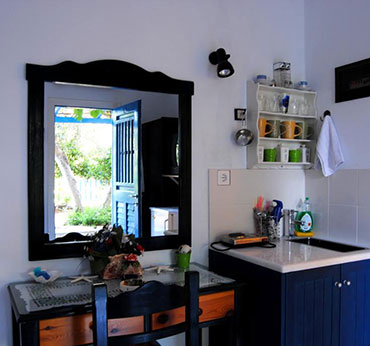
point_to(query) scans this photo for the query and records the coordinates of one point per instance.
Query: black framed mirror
(107, 74)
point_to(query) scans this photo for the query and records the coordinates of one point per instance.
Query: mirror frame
(108, 73)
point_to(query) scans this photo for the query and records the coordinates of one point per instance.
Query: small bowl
(54, 274)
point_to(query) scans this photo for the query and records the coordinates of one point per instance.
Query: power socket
(223, 177)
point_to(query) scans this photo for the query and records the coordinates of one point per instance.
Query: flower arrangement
(126, 264)
(112, 253)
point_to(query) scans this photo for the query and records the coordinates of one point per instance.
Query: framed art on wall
(352, 81)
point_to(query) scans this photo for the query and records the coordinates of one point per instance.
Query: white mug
(284, 154)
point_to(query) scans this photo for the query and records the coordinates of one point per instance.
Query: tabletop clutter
(114, 255)
(282, 77)
(267, 215)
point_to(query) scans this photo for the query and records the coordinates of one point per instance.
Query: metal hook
(326, 113)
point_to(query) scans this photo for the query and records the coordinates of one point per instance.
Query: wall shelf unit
(264, 102)
(267, 139)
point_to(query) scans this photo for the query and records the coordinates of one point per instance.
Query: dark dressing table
(59, 313)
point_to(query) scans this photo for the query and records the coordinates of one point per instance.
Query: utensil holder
(265, 224)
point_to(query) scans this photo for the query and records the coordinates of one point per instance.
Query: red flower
(140, 248)
(131, 257)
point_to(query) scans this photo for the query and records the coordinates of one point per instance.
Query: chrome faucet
(290, 221)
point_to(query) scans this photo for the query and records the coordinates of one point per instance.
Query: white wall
(336, 34)
(172, 36)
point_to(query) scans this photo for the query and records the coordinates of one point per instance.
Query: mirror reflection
(111, 156)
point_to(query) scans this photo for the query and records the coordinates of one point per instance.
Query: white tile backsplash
(364, 225)
(341, 205)
(231, 207)
(343, 187)
(320, 223)
(317, 189)
(343, 223)
(364, 187)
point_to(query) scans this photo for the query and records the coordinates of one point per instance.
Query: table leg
(15, 330)
(29, 333)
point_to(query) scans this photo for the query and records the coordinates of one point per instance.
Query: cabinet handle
(163, 318)
(338, 284)
(347, 282)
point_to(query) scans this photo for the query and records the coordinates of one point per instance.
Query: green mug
(295, 155)
(269, 155)
(183, 260)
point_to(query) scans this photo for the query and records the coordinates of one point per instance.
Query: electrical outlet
(240, 113)
(223, 177)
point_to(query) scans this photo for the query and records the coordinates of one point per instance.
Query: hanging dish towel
(328, 150)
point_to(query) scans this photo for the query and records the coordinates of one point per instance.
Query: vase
(97, 265)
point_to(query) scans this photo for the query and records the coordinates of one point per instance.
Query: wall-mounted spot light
(219, 58)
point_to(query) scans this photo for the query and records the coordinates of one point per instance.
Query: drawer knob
(347, 282)
(163, 318)
(338, 284)
(229, 313)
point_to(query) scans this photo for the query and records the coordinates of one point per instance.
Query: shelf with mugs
(286, 115)
(283, 156)
(270, 139)
(282, 119)
(285, 165)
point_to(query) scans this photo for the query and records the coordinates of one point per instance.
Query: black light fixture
(219, 58)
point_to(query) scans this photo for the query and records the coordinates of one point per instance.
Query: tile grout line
(358, 202)
(328, 209)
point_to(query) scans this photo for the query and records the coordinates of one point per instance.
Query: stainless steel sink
(325, 244)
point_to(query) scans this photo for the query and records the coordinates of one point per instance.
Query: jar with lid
(282, 74)
(262, 79)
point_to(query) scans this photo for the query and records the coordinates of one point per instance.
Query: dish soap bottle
(304, 227)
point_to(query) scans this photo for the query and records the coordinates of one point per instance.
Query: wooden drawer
(76, 330)
(212, 306)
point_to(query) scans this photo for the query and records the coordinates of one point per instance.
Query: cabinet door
(312, 307)
(355, 304)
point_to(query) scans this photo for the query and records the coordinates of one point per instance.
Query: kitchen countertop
(290, 257)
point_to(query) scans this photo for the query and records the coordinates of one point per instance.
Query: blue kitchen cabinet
(327, 306)
(355, 304)
(312, 307)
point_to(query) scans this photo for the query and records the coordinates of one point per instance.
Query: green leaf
(98, 266)
(78, 114)
(95, 113)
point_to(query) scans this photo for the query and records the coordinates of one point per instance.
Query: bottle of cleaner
(305, 226)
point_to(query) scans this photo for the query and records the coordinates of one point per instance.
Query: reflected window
(110, 161)
(82, 170)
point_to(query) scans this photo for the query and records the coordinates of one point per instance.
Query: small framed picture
(352, 81)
